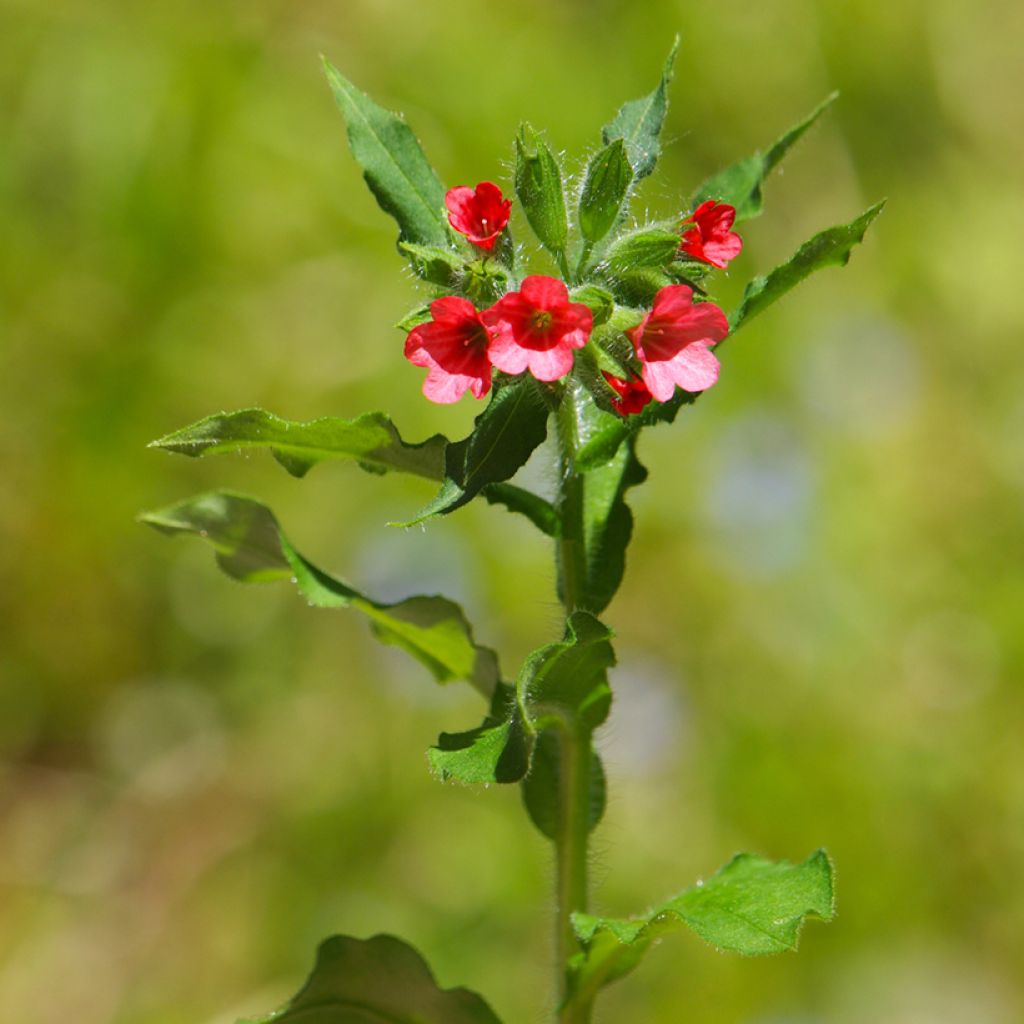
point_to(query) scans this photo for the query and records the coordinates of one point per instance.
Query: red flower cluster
(535, 329)
(711, 238)
(481, 214)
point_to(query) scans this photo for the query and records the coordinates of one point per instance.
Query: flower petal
(546, 293)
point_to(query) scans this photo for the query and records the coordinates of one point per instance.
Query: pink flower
(673, 342)
(453, 347)
(711, 238)
(536, 329)
(480, 214)
(633, 394)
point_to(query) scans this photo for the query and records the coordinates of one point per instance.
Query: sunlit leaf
(251, 546)
(609, 176)
(647, 248)
(364, 981)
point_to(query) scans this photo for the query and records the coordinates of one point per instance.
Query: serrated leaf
(541, 788)
(752, 906)
(740, 184)
(647, 249)
(504, 436)
(431, 263)
(828, 248)
(359, 981)
(394, 165)
(371, 439)
(609, 176)
(497, 751)
(251, 546)
(638, 122)
(540, 192)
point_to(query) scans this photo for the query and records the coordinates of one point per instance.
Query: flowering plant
(621, 340)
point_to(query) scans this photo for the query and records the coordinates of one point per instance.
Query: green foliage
(394, 165)
(599, 301)
(542, 788)
(504, 436)
(752, 906)
(604, 191)
(358, 981)
(252, 547)
(538, 510)
(371, 439)
(740, 183)
(827, 248)
(646, 248)
(638, 122)
(443, 267)
(540, 191)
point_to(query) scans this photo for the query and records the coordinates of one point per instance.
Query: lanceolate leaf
(380, 979)
(371, 439)
(740, 184)
(538, 510)
(831, 247)
(394, 165)
(638, 123)
(503, 438)
(539, 188)
(252, 547)
(751, 906)
(608, 179)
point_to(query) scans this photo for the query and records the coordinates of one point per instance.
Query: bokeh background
(821, 628)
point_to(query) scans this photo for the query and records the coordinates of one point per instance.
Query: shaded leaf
(740, 184)
(504, 436)
(371, 439)
(438, 266)
(251, 546)
(828, 248)
(751, 906)
(609, 176)
(541, 788)
(638, 122)
(540, 192)
(538, 510)
(360, 981)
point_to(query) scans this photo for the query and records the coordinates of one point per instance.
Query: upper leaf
(751, 906)
(540, 192)
(607, 183)
(638, 122)
(503, 438)
(394, 165)
(740, 184)
(649, 248)
(252, 547)
(364, 981)
(372, 439)
(830, 247)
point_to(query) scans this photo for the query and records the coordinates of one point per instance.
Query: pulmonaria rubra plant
(621, 340)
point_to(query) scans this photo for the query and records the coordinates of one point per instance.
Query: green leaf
(599, 301)
(751, 906)
(504, 436)
(380, 979)
(541, 788)
(539, 188)
(394, 165)
(740, 184)
(496, 751)
(647, 249)
(371, 439)
(638, 123)
(415, 317)
(252, 547)
(831, 247)
(607, 184)
(439, 266)
(538, 510)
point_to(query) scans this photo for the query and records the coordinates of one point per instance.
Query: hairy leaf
(364, 981)
(540, 192)
(830, 247)
(251, 546)
(740, 184)
(438, 266)
(604, 190)
(646, 249)
(541, 788)
(638, 122)
(394, 165)
(504, 436)
(371, 439)
(599, 301)
(751, 906)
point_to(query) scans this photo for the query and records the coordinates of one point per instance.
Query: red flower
(633, 394)
(480, 215)
(673, 342)
(453, 347)
(710, 239)
(537, 328)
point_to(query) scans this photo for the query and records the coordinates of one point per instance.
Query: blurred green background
(820, 632)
